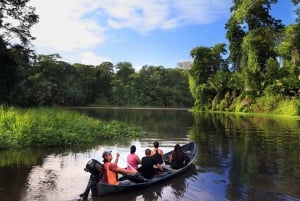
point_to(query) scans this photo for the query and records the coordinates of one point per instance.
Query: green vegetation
(260, 74)
(49, 127)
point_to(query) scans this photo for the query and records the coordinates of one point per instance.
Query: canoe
(190, 149)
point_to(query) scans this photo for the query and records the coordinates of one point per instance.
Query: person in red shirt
(111, 170)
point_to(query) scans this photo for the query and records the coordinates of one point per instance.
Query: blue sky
(143, 32)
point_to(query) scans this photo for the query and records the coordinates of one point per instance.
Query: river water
(241, 158)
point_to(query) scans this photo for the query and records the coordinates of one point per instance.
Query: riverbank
(54, 127)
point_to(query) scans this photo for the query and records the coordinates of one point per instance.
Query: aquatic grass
(49, 127)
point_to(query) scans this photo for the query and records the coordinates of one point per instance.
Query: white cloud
(90, 58)
(81, 25)
(62, 26)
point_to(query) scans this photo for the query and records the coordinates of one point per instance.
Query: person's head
(156, 144)
(147, 152)
(132, 149)
(106, 155)
(177, 147)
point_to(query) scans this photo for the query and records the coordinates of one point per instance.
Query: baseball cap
(106, 153)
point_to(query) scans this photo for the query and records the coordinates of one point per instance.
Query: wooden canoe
(191, 150)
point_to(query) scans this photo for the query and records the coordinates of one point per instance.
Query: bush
(48, 127)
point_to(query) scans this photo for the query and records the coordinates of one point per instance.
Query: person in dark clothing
(157, 153)
(147, 169)
(177, 159)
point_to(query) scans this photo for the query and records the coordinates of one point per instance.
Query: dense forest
(260, 74)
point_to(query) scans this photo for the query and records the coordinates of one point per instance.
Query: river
(241, 158)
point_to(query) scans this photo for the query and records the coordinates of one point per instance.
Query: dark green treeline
(49, 82)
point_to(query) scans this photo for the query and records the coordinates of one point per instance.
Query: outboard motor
(96, 169)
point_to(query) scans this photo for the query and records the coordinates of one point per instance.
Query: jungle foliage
(263, 63)
(262, 72)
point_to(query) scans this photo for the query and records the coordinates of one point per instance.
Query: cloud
(91, 58)
(83, 25)
(62, 25)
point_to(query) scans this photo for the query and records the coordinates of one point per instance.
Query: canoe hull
(190, 149)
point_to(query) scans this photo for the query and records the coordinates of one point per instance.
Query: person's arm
(159, 166)
(117, 158)
(170, 158)
(115, 168)
(138, 160)
(126, 171)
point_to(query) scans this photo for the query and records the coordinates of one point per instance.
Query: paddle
(143, 179)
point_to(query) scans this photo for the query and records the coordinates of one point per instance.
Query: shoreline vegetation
(56, 127)
(60, 127)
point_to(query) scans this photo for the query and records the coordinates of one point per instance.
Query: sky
(142, 32)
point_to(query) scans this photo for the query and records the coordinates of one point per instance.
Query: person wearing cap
(133, 160)
(111, 170)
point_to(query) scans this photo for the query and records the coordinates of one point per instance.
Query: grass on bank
(52, 127)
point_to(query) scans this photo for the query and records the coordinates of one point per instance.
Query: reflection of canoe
(191, 151)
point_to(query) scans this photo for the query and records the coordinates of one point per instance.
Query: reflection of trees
(180, 184)
(259, 152)
(166, 122)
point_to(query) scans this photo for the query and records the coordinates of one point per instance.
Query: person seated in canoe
(177, 158)
(133, 160)
(157, 153)
(148, 162)
(111, 170)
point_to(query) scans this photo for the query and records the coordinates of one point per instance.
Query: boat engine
(96, 169)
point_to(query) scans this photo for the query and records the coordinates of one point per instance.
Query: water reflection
(245, 158)
(173, 189)
(259, 157)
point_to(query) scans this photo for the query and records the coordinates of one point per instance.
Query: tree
(104, 76)
(297, 11)
(124, 70)
(207, 61)
(253, 34)
(235, 35)
(289, 50)
(56, 82)
(16, 19)
(248, 16)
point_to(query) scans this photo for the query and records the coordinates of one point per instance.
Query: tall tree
(207, 62)
(16, 19)
(253, 33)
